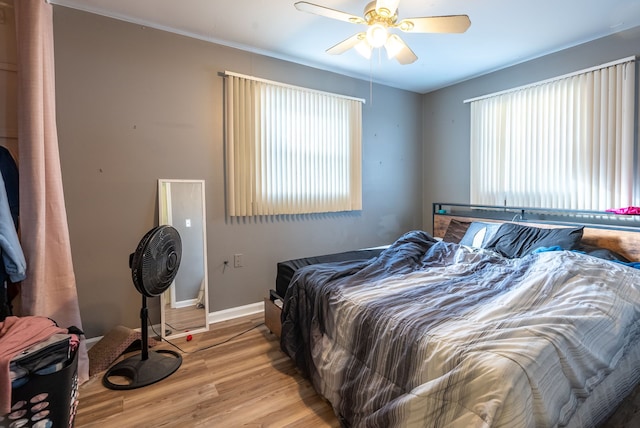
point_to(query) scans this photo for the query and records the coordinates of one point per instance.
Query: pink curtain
(50, 287)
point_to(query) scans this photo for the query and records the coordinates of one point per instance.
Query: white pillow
(479, 233)
(478, 238)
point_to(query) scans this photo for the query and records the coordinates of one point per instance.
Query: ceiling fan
(381, 16)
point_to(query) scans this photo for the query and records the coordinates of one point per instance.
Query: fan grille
(156, 261)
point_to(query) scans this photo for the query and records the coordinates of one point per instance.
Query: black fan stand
(149, 367)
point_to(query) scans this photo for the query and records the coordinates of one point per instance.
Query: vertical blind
(290, 150)
(564, 143)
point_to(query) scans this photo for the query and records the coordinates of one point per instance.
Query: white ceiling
(502, 32)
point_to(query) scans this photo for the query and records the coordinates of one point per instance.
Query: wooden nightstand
(272, 314)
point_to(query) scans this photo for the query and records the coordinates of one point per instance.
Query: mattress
(286, 269)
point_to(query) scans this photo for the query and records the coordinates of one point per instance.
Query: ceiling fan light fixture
(393, 46)
(377, 35)
(364, 48)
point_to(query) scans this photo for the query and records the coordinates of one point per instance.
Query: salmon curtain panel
(50, 287)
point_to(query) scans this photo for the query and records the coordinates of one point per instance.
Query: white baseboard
(185, 303)
(214, 317)
(237, 312)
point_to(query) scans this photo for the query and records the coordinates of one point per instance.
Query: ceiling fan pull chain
(371, 81)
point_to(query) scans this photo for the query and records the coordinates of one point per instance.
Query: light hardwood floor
(184, 319)
(246, 382)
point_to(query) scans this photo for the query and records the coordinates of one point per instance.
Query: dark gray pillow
(516, 240)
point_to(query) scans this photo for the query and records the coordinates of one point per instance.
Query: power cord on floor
(206, 347)
(229, 339)
(170, 326)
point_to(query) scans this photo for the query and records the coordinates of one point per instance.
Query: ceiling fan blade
(328, 12)
(347, 44)
(384, 7)
(398, 49)
(435, 24)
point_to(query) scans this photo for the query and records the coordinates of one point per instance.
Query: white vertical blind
(565, 143)
(290, 150)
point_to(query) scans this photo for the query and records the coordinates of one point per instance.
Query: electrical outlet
(237, 261)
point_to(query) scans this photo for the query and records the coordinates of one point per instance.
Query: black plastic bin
(45, 401)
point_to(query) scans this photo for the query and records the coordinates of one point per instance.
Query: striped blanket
(441, 335)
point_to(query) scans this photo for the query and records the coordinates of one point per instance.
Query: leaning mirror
(185, 305)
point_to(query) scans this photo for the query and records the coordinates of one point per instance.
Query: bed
(285, 271)
(475, 329)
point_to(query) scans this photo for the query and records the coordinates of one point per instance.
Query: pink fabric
(16, 335)
(50, 287)
(627, 210)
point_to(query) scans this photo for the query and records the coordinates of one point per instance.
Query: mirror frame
(162, 185)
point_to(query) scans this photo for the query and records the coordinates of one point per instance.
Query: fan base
(142, 372)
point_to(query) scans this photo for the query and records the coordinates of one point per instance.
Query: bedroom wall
(136, 104)
(446, 118)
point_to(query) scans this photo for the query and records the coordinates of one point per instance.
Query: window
(563, 143)
(290, 150)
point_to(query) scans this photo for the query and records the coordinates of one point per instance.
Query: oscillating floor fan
(154, 266)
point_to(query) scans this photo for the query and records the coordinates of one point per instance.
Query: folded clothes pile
(49, 356)
(38, 372)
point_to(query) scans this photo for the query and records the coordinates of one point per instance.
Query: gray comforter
(436, 334)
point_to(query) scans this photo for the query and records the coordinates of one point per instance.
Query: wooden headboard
(622, 241)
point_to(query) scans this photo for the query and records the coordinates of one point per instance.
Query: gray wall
(136, 104)
(446, 117)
